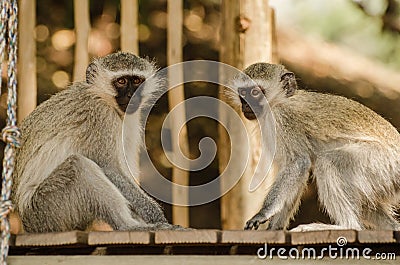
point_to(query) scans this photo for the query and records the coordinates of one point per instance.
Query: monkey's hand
(255, 222)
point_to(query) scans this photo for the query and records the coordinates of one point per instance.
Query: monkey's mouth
(129, 105)
(249, 113)
(129, 108)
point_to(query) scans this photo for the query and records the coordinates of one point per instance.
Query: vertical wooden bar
(274, 37)
(229, 54)
(180, 214)
(82, 29)
(27, 86)
(246, 39)
(129, 26)
(258, 23)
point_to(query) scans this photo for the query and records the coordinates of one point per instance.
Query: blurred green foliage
(342, 22)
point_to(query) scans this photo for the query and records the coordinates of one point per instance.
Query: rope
(11, 133)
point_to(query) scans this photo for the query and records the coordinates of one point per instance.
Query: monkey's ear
(289, 83)
(91, 73)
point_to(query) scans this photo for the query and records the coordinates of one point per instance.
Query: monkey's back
(329, 117)
(67, 123)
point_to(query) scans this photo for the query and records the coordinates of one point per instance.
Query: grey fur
(351, 152)
(71, 170)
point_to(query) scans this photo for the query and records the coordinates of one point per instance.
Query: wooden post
(82, 29)
(180, 214)
(27, 87)
(246, 39)
(129, 26)
(274, 37)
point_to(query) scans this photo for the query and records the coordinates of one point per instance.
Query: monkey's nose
(131, 91)
(247, 108)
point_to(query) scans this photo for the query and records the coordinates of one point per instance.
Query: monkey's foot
(255, 222)
(181, 228)
(167, 226)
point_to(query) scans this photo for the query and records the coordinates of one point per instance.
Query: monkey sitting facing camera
(351, 152)
(71, 170)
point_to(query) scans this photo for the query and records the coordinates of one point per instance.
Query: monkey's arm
(142, 204)
(284, 196)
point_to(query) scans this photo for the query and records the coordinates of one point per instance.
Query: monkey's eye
(242, 92)
(255, 92)
(122, 81)
(137, 80)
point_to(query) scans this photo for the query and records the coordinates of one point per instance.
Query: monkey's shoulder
(325, 100)
(72, 107)
(326, 114)
(328, 105)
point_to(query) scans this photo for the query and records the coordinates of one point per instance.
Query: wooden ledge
(119, 237)
(253, 237)
(323, 237)
(371, 236)
(51, 239)
(202, 236)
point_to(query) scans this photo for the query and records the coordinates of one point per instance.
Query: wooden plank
(371, 236)
(253, 237)
(82, 29)
(119, 237)
(15, 223)
(326, 236)
(180, 196)
(51, 239)
(181, 259)
(129, 26)
(27, 86)
(274, 37)
(186, 237)
(247, 39)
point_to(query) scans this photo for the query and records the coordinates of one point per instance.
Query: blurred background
(343, 47)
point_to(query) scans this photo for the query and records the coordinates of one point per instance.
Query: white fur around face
(274, 93)
(103, 80)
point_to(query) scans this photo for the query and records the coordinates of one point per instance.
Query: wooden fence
(247, 33)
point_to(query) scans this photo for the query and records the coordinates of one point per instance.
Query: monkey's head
(121, 75)
(262, 84)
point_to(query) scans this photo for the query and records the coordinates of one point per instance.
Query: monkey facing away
(351, 152)
(71, 170)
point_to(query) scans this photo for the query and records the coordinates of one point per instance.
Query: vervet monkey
(351, 152)
(70, 169)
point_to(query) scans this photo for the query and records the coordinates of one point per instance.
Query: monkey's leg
(381, 218)
(284, 196)
(76, 193)
(335, 190)
(281, 220)
(141, 203)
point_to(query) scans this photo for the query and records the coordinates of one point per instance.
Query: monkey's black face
(252, 99)
(126, 86)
